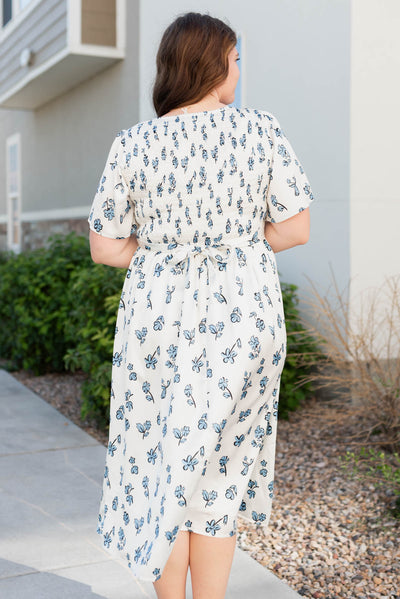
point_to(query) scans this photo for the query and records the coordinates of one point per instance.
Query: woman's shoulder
(258, 113)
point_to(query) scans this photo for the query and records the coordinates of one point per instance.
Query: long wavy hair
(192, 60)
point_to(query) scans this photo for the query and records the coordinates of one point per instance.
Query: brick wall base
(36, 234)
(3, 237)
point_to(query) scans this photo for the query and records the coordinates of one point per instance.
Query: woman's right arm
(288, 233)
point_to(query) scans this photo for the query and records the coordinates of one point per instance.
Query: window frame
(15, 195)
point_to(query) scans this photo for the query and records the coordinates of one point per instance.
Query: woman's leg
(210, 561)
(172, 583)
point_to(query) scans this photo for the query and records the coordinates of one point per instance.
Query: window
(11, 8)
(239, 91)
(7, 11)
(13, 192)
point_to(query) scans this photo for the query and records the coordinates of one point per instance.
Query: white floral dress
(200, 339)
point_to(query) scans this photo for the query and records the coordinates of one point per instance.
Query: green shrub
(378, 467)
(95, 293)
(5, 256)
(302, 353)
(33, 302)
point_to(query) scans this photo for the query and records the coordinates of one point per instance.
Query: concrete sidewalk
(50, 477)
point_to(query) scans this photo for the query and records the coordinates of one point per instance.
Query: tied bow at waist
(181, 255)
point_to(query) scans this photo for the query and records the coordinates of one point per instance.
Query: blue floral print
(200, 338)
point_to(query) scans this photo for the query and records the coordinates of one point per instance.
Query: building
(75, 72)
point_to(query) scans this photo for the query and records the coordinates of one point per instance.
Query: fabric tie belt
(197, 255)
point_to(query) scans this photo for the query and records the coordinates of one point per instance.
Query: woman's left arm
(113, 252)
(288, 233)
(288, 196)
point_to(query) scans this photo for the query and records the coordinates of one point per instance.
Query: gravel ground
(330, 536)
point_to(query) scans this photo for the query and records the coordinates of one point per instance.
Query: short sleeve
(289, 191)
(112, 213)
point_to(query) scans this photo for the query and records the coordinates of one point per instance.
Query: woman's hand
(113, 252)
(289, 233)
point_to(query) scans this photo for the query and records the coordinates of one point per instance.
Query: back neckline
(184, 114)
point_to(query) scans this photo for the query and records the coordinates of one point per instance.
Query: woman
(195, 203)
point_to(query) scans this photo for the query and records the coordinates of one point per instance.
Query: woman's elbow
(304, 237)
(299, 236)
(95, 256)
(95, 245)
(297, 228)
(95, 253)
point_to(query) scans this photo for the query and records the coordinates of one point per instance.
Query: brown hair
(192, 59)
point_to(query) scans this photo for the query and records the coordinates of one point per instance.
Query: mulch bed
(330, 535)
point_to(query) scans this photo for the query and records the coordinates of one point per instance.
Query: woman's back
(200, 178)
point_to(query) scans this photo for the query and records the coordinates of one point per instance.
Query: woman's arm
(288, 233)
(113, 252)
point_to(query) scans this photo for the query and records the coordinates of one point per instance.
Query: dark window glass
(7, 11)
